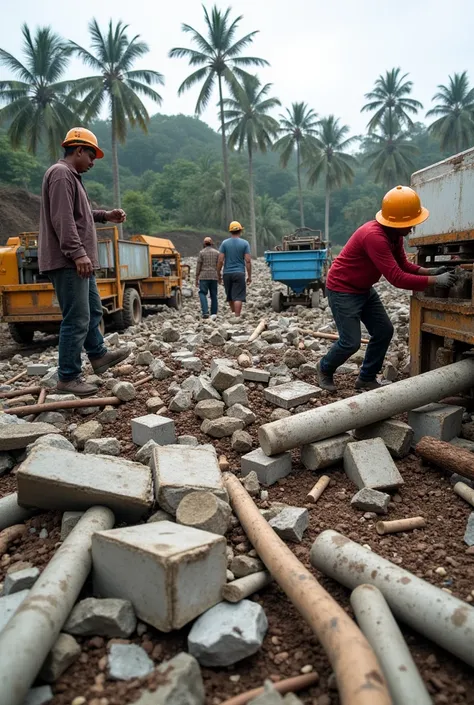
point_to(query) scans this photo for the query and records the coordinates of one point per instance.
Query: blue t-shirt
(234, 249)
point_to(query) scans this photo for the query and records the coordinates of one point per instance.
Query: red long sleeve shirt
(368, 254)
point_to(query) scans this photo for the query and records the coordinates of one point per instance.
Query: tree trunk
(115, 163)
(225, 157)
(446, 456)
(326, 213)
(253, 224)
(300, 191)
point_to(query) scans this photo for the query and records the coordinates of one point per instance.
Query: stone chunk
(227, 633)
(181, 402)
(397, 436)
(291, 394)
(223, 377)
(52, 441)
(68, 522)
(159, 370)
(37, 369)
(270, 696)
(85, 432)
(182, 684)
(9, 605)
(102, 446)
(469, 533)
(6, 463)
(55, 418)
(153, 428)
(440, 421)
(205, 390)
(109, 618)
(128, 661)
(221, 428)
(253, 374)
(369, 464)
(245, 565)
(65, 651)
(39, 696)
(236, 395)
(187, 440)
(323, 454)
(50, 380)
(463, 443)
(203, 510)
(144, 454)
(368, 500)
(192, 363)
(294, 358)
(18, 436)
(238, 411)
(241, 442)
(209, 409)
(125, 391)
(268, 469)
(251, 484)
(20, 580)
(179, 470)
(291, 523)
(160, 515)
(170, 573)
(59, 479)
(144, 358)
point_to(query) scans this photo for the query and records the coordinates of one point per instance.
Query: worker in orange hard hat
(375, 249)
(68, 254)
(234, 257)
(207, 278)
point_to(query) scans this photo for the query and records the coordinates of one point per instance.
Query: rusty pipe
(289, 685)
(359, 677)
(73, 404)
(393, 527)
(19, 392)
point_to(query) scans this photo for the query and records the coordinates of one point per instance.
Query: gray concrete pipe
(436, 614)
(383, 634)
(364, 409)
(11, 513)
(32, 631)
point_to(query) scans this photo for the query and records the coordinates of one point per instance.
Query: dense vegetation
(273, 168)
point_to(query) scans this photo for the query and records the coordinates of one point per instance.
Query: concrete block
(20, 580)
(236, 395)
(368, 500)
(128, 661)
(182, 683)
(241, 566)
(291, 394)
(268, 469)
(37, 369)
(221, 362)
(205, 511)
(323, 454)
(205, 390)
(194, 364)
(102, 446)
(291, 523)
(153, 428)
(238, 411)
(209, 409)
(369, 464)
(68, 522)
(221, 428)
(440, 421)
(397, 436)
(107, 617)
(223, 377)
(170, 573)
(9, 605)
(18, 436)
(65, 651)
(58, 479)
(179, 470)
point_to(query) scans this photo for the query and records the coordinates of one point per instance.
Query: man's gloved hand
(436, 271)
(448, 279)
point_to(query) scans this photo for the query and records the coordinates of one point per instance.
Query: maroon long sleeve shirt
(368, 254)
(67, 229)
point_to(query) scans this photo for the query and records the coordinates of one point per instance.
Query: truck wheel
(132, 308)
(315, 298)
(277, 301)
(20, 333)
(176, 301)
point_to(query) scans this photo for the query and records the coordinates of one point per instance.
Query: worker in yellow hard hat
(234, 258)
(68, 254)
(375, 249)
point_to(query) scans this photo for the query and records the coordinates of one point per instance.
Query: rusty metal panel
(446, 189)
(134, 260)
(106, 254)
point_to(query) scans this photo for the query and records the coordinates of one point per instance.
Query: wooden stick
(259, 329)
(241, 588)
(319, 488)
(464, 491)
(41, 398)
(223, 463)
(19, 392)
(16, 377)
(76, 404)
(11, 534)
(289, 685)
(326, 336)
(446, 456)
(143, 381)
(393, 527)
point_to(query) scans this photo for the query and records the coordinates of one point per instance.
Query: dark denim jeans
(81, 307)
(208, 286)
(348, 311)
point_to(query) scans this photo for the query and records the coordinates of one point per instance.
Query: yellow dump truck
(133, 273)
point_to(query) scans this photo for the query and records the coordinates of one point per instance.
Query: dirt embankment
(19, 212)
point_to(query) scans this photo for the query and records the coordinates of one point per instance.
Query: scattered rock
(469, 533)
(203, 510)
(368, 500)
(294, 358)
(187, 440)
(159, 370)
(85, 432)
(65, 651)
(245, 565)
(128, 661)
(108, 415)
(210, 409)
(102, 446)
(220, 428)
(144, 358)
(181, 402)
(125, 391)
(108, 617)
(20, 580)
(291, 523)
(39, 696)
(251, 484)
(241, 442)
(182, 684)
(238, 411)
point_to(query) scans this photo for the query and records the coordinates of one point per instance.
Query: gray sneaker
(77, 386)
(325, 381)
(367, 385)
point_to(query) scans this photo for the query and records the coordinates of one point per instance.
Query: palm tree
(390, 97)
(271, 223)
(299, 129)
(455, 112)
(250, 126)
(116, 83)
(389, 153)
(214, 197)
(331, 160)
(218, 58)
(37, 107)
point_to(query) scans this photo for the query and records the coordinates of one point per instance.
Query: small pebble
(43, 534)
(235, 678)
(80, 700)
(306, 669)
(441, 572)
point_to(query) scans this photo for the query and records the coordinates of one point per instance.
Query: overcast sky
(325, 53)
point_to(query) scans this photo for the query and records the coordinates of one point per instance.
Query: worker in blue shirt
(234, 257)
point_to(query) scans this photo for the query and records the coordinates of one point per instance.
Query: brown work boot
(110, 359)
(325, 381)
(77, 386)
(367, 385)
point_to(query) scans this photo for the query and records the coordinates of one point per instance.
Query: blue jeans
(348, 311)
(81, 307)
(208, 286)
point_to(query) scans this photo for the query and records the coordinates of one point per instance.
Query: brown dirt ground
(19, 212)
(289, 644)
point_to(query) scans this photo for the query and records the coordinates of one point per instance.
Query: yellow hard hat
(401, 208)
(80, 137)
(235, 226)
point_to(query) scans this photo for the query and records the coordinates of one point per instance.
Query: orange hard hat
(81, 137)
(235, 227)
(401, 208)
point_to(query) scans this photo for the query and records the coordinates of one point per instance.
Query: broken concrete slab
(205, 390)
(65, 651)
(221, 428)
(107, 617)
(441, 421)
(205, 511)
(183, 684)
(102, 446)
(85, 432)
(253, 374)
(291, 394)
(20, 580)
(291, 523)
(238, 411)
(323, 454)
(223, 377)
(268, 469)
(151, 427)
(9, 605)
(397, 436)
(236, 395)
(369, 464)
(37, 369)
(128, 661)
(369, 500)
(170, 573)
(18, 436)
(227, 633)
(52, 441)
(58, 479)
(209, 409)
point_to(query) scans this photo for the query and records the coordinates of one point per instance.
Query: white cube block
(153, 428)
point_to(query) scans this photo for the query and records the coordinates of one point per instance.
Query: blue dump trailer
(300, 264)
